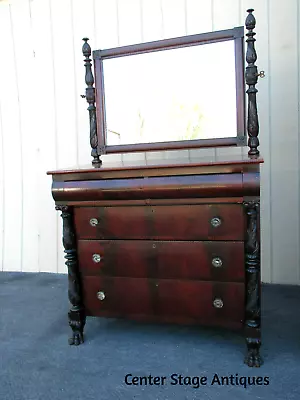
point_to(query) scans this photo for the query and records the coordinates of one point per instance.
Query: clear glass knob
(215, 222)
(96, 258)
(94, 221)
(218, 303)
(100, 296)
(217, 262)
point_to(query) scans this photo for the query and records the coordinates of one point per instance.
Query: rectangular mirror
(176, 93)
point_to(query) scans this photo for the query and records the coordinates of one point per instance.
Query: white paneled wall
(44, 122)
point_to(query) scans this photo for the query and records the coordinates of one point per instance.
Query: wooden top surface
(235, 156)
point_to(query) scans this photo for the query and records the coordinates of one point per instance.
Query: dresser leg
(253, 358)
(76, 322)
(253, 287)
(76, 314)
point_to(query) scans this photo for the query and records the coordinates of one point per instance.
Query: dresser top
(223, 157)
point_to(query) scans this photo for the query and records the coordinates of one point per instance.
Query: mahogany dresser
(165, 241)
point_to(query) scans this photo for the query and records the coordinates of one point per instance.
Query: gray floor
(37, 363)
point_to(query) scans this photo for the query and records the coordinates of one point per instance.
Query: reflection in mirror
(180, 94)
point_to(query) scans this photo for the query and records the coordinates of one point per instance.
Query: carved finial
(250, 20)
(251, 80)
(90, 98)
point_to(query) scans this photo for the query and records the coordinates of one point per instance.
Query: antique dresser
(174, 240)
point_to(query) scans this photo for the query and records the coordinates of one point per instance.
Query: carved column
(76, 314)
(90, 98)
(251, 77)
(253, 292)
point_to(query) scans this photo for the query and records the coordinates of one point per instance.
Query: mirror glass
(185, 93)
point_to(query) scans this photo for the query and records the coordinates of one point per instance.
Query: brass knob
(100, 296)
(218, 303)
(217, 262)
(94, 222)
(96, 258)
(215, 222)
(261, 74)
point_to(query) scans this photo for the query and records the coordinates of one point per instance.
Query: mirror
(171, 95)
(175, 93)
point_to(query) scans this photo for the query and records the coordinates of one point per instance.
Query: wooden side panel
(161, 222)
(164, 260)
(165, 300)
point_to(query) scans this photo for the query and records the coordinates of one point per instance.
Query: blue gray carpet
(37, 363)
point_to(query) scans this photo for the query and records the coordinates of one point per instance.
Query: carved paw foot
(253, 358)
(76, 339)
(77, 323)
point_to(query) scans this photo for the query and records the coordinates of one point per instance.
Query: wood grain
(165, 300)
(161, 222)
(153, 187)
(164, 260)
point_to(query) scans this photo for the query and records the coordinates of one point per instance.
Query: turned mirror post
(251, 77)
(90, 98)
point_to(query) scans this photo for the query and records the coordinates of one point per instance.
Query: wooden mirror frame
(97, 114)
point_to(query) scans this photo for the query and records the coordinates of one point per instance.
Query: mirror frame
(235, 34)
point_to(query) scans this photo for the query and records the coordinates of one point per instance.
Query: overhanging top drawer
(167, 187)
(176, 222)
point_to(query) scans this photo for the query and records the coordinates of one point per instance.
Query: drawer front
(165, 300)
(178, 222)
(217, 261)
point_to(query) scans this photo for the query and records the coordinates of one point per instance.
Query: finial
(250, 20)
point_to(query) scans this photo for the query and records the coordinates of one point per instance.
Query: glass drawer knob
(96, 258)
(215, 222)
(218, 303)
(100, 296)
(217, 262)
(94, 222)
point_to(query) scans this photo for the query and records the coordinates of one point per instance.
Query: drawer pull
(215, 222)
(100, 296)
(94, 222)
(218, 303)
(217, 262)
(96, 258)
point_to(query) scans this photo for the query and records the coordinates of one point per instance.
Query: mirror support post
(90, 98)
(251, 77)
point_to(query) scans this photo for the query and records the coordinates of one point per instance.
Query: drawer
(217, 261)
(177, 222)
(165, 300)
